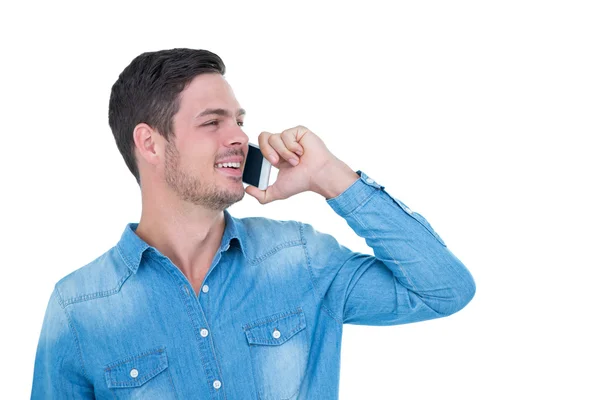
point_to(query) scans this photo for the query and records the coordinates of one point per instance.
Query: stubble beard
(191, 189)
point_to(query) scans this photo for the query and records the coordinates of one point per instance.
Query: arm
(412, 277)
(59, 372)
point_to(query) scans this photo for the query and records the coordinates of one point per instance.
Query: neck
(188, 234)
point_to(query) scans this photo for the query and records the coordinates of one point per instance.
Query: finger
(291, 141)
(277, 143)
(267, 151)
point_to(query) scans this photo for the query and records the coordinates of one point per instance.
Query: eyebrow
(219, 111)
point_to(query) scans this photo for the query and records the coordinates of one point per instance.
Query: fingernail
(293, 161)
(299, 152)
(273, 158)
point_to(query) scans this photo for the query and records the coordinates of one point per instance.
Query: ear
(147, 144)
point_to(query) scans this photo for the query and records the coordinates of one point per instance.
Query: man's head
(174, 117)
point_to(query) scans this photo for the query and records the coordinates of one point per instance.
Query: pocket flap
(275, 329)
(136, 370)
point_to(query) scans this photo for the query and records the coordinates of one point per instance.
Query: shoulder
(101, 277)
(270, 230)
(265, 236)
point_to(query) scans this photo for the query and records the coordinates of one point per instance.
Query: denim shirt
(267, 323)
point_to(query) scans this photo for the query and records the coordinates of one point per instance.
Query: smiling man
(192, 303)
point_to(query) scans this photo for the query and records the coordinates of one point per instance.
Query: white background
(479, 115)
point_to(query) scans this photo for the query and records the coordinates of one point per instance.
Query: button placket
(199, 308)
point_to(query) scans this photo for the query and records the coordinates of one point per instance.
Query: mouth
(229, 168)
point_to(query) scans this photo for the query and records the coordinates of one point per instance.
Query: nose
(237, 137)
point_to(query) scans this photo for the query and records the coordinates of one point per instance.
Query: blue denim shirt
(267, 323)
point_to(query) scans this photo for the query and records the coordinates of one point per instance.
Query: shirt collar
(132, 247)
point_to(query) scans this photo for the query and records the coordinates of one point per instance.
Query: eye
(213, 122)
(240, 123)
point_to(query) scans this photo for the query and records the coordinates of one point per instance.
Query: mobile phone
(257, 169)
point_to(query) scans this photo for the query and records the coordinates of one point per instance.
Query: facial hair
(190, 188)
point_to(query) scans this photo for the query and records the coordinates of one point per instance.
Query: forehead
(207, 90)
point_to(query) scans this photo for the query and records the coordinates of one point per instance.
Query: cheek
(199, 156)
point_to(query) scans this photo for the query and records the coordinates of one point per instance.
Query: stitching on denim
(139, 381)
(291, 243)
(210, 340)
(176, 277)
(414, 215)
(271, 318)
(216, 359)
(96, 295)
(115, 364)
(172, 385)
(389, 255)
(125, 259)
(294, 395)
(332, 314)
(365, 190)
(308, 264)
(252, 366)
(73, 332)
(279, 341)
(312, 278)
(258, 387)
(347, 293)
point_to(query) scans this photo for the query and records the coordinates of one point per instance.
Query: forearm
(405, 242)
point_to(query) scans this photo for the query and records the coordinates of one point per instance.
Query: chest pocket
(141, 376)
(279, 352)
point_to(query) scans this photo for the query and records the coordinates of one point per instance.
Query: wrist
(334, 179)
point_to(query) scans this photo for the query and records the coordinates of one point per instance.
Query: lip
(230, 171)
(230, 159)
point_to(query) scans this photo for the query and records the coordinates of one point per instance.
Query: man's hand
(304, 163)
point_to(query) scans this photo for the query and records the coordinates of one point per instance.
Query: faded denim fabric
(268, 321)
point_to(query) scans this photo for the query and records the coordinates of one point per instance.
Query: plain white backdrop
(481, 116)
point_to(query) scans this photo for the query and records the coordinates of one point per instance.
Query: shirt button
(205, 288)
(369, 180)
(134, 373)
(217, 384)
(204, 332)
(276, 334)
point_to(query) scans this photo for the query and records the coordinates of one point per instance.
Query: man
(192, 303)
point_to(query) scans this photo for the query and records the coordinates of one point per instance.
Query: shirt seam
(274, 250)
(185, 299)
(73, 331)
(312, 279)
(357, 219)
(96, 295)
(125, 259)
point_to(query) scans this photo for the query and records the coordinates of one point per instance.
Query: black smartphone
(257, 168)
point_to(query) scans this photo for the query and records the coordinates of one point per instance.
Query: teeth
(229, 165)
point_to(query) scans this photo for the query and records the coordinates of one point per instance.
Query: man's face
(204, 138)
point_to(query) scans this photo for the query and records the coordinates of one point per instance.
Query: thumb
(263, 196)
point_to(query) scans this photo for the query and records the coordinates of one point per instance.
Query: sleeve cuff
(355, 195)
